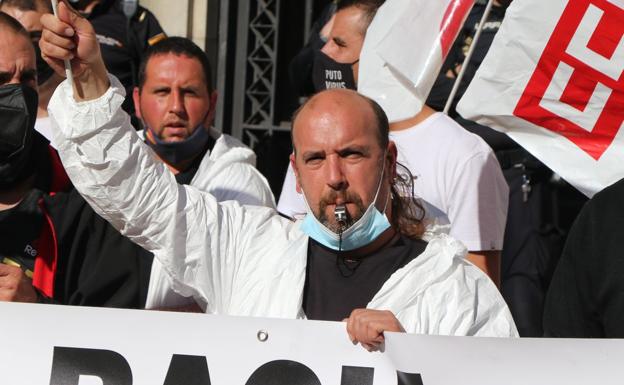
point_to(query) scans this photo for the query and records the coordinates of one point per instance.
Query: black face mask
(18, 113)
(44, 71)
(328, 73)
(175, 153)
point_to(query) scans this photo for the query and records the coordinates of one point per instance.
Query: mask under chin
(175, 153)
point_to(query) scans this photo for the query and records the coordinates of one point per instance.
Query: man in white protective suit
(458, 177)
(176, 102)
(355, 257)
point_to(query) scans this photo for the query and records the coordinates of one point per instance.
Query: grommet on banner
(262, 335)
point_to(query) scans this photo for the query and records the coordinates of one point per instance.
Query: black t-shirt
(335, 286)
(95, 265)
(186, 177)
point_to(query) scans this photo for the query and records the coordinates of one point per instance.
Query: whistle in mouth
(340, 212)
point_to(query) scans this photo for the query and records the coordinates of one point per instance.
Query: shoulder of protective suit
(439, 292)
(231, 150)
(444, 247)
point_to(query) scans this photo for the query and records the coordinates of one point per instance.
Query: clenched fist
(71, 37)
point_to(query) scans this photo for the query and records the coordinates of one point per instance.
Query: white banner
(404, 49)
(60, 345)
(552, 81)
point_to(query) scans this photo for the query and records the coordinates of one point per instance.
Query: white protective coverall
(244, 260)
(227, 172)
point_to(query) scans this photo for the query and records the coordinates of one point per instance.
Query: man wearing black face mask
(176, 103)
(28, 13)
(51, 242)
(22, 154)
(53, 247)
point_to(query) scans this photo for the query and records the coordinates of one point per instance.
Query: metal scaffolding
(251, 74)
(256, 62)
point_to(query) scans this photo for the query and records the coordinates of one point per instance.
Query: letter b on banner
(577, 89)
(69, 364)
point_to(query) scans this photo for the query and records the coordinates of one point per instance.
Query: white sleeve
(117, 175)
(466, 303)
(291, 203)
(479, 197)
(160, 293)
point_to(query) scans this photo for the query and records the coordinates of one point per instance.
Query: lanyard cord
(342, 264)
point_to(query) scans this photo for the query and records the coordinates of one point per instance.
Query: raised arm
(72, 37)
(120, 177)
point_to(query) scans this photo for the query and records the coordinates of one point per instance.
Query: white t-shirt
(456, 175)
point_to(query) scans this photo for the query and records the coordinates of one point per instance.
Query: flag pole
(462, 72)
(68, 70)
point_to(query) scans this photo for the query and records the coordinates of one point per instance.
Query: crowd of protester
(118, 191)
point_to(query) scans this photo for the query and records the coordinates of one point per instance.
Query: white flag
(553, 82)
(404, 49)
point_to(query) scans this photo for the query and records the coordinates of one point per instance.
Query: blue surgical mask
(368, 228)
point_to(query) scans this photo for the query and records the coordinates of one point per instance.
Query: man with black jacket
(586, 295)
(52, 245)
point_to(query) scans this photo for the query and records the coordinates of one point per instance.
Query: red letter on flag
(577, 89)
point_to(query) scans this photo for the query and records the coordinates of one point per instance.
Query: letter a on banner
(187, 370)
(553, 81)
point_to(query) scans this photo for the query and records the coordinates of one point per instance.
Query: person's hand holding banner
(367, 326)
(15, 286)
(72, 37)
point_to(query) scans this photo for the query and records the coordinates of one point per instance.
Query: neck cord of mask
(342, 264)
(347, 267)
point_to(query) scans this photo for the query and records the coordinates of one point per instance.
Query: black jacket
(586, 295)
(75, 256)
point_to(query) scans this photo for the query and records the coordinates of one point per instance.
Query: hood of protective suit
(398, 70)
(226, 151)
